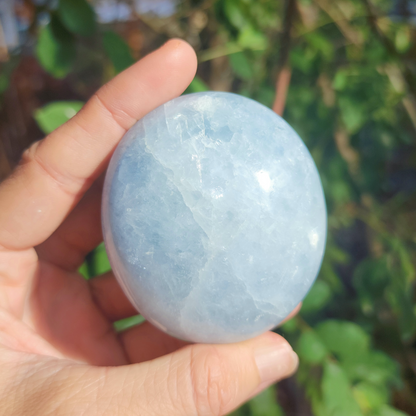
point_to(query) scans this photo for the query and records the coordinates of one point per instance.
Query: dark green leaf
(370, 279)
(317, 297)
(337, 255)
(310, 348)
(241, 411)
(289, 326)
(299, 61)
(77, 16)
(234, 11)
(117, 50)
(322, 44)
(344, 339)
(241, 65)
(265, 404)
(55, 49)
(374, 367)
(99, 261)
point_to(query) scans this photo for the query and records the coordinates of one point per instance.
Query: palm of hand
(59, 353)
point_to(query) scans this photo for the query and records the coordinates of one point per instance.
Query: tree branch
(283, 71)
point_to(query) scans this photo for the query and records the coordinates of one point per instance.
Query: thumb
(201, 380)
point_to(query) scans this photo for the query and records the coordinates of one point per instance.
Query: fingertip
(274, 358)
(269, 338)
(181, 49)
(180, 55)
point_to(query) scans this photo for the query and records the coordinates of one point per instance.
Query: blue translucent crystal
(214, 217)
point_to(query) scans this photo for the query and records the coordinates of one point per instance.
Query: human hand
(59, 353)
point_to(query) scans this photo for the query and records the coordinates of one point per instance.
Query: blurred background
(343, 74)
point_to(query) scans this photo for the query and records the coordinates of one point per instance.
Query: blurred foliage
(352, 98)
(51, 116)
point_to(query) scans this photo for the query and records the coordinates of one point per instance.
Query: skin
(59, 353)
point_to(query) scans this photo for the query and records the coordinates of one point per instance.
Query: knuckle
(212, 381)
(120, 117)
(29, 154)
(68, 182)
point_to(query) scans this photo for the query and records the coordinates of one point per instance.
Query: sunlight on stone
(313, 238)
(264, 180)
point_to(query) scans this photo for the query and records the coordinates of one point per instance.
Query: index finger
(55, 172)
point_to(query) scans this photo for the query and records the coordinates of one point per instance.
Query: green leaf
(322, 44)
(370, 279)
(99, 261)
(400, 292)
(317, 297)
(311, 349)
(127, 323)
(117, 50)
(250, 38)
(387, 410)
(405, 260)
(344, 339)
(400, 299)
(265, 404)
(241, 65)
(83, 270)
(197, 85)
(77, 16)
(337, 394)
(353, 114)
(55, 114)
(290, 326)
(337, 255)
(55, 49)
(243, 410)
(235, 14)
(299, 61)
(374, 367)
(369, 396)
(340, 80)
(329, 273)
(403, 39)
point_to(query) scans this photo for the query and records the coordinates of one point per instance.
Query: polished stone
(214, 217)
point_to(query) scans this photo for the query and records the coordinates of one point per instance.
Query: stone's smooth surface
(214, 217)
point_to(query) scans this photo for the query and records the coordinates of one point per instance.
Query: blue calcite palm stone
(214, 217)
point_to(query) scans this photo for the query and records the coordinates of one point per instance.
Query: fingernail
(174, 42)
(275, 363)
